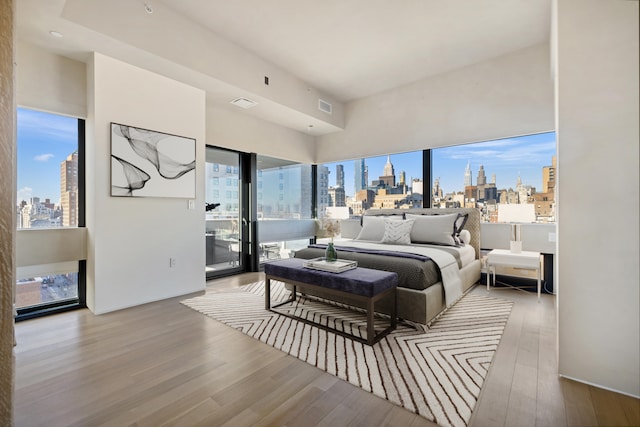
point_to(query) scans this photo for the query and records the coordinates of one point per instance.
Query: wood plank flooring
(163, 364)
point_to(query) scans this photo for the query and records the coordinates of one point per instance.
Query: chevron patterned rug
(437, 374)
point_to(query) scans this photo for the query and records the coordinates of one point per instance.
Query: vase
(330, 253)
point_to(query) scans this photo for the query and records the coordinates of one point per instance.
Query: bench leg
(394, 309)
(371, 334)
(267, 294)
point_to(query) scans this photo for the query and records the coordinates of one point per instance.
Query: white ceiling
(349, 49)
(355, 48)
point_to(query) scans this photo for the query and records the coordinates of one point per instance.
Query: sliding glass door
(227, 235)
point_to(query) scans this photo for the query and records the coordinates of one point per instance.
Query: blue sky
(506, 158)
(44, 141)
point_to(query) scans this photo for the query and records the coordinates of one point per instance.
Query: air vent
(244, 103)
(324, 106)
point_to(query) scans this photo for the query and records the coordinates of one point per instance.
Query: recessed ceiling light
(148, 8)
(244, 103)
(55, 33)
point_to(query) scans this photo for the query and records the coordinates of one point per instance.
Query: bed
(436, 253)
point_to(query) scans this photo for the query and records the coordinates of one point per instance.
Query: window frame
(60, 306)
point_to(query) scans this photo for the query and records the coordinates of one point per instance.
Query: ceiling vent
(324, 106)
(244, 103)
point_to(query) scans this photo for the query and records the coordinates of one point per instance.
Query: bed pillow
(461, 220)
(435, 229)
(373, 227)
(458, 226)
(465, 237)
(397, 232)
(393, 215)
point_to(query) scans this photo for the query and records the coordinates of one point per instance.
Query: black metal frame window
(58, 283)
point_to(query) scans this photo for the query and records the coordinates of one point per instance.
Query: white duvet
(451, 279)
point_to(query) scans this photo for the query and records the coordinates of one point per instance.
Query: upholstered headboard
(472, 224)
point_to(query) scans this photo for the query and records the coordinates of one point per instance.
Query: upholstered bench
(359, 284)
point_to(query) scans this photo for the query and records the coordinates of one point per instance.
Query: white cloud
(24, 193)
(43, 157)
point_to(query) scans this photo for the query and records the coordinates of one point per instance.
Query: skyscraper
(388, 177)
(323, 189)
(482, 179)
(388, 168)
(360, 174)
(549, 177)
(340, 176)
(467, 175)
(69, 190)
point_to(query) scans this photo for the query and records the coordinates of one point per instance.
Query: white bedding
(466, 253)
(449, 269)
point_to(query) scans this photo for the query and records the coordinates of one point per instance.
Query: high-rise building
(545, 201)
(69, 190)
(323, 189)
(388, 177)
(482, 179)
(416, 186)
(481, 183)
(467, 175)
(340, 176)
(337, 197)
(360, 174)
(388, 168)
(549, 177)
(436, 191)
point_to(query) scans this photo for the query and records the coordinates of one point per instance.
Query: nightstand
(522, 260)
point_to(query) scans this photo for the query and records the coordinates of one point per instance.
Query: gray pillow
(436, 229)
(397, 232)
(373, 227)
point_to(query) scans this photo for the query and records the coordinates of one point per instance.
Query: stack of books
(337, 266)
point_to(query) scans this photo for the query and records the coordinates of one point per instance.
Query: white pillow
(397, 232)
(373, 227)
(437, 229)
(465, 237)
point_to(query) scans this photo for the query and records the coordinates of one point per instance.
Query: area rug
(437, 374)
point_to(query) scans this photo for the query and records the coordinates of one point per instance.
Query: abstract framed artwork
(147, 163)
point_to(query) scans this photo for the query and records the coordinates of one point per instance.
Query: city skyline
(507, 158)
(44, 142)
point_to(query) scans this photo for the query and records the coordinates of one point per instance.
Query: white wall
(598, 134)
(243, 132)
(198, 53)
(49, 82)
(507, 96)
(130, 240)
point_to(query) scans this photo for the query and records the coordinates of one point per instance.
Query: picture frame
(148, 163)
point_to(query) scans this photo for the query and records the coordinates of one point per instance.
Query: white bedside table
(504, 257)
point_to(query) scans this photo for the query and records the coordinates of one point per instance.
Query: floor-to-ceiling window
(49, 207)
(348, 188)
(508, 180)
(284, 207)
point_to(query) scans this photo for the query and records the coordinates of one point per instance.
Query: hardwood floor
(163, 364)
